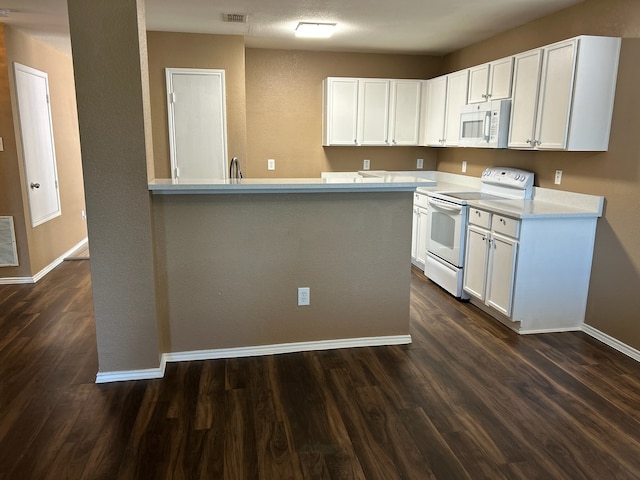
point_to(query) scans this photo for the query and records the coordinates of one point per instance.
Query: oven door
(446, 222)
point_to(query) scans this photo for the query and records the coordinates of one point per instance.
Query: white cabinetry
(419, 232)
(340, 111)
(490, 260)
(491, 81)
(443, 99)
(563, 95)
(434, 105)
(533, 273)
(404, 121)
(371, 111)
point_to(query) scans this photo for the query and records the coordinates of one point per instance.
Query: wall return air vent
(8, 252)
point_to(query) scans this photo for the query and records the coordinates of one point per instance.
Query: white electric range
(447, 222)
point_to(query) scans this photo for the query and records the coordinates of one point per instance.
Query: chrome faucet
(234, 169)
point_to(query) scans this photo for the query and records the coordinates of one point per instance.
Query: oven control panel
(509, 178)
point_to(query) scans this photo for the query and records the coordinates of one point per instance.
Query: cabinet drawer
(479, 217)
(420, 200)
(506, 226)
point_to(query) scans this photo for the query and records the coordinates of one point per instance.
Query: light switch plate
(271, 164)
(366, 164)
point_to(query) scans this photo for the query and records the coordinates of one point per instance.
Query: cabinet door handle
(34, 185)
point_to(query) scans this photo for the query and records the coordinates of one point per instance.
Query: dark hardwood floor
(469, 399)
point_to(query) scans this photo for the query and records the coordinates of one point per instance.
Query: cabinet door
(526, 80)
(478, 83)
(475, 264)
(502, 268)
(421, 239)
(500, 79)
(556, 88)
(414, 233)
(341, 111)
(373, 112)
(435, 104)
(457, 87)
(405, 112)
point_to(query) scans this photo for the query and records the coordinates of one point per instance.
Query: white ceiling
(388, 26)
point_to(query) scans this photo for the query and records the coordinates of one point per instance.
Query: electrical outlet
(1, 145)
(83, 215)
(271, 164)
(419, 163)
(464, 166)
(558, 179)
(303, 296)
(366, 165)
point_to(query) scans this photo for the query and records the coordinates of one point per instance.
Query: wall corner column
(108, 58)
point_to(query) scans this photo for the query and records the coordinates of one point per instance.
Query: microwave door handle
(487, 126)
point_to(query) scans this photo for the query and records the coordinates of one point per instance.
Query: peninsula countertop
(328, 183)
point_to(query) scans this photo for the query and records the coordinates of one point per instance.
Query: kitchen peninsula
(231, 256)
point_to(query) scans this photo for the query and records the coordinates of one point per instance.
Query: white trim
(45, 270)
(550, 330)
(612, 342)
(254, 351)
(295, 347)
(126, 375)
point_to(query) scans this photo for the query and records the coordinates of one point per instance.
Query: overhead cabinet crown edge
(370, 111)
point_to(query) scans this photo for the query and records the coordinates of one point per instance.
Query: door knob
(35, 185)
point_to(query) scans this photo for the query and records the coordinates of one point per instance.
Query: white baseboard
(125, 375)
(45, 270)
(275, 349)
(612, 342)
(253, 351)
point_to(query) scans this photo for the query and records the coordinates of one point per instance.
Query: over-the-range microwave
(485, 124)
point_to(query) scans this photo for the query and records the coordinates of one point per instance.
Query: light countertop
(546, 203)
(338, 182)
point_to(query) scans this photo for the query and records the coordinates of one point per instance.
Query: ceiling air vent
(235, 17)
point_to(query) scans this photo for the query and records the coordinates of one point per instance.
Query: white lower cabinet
(490, 262)
(419, 232)
(532, 273)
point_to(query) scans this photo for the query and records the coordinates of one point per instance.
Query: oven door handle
(445, 206)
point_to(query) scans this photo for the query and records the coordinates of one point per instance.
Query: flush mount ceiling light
(315, 30)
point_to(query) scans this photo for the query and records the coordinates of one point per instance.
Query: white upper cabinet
(371, 111)
(457, 85)
(340, 111)
(491, 81)
(404, 121)
(563, 95)
(434, 105)
(443, 99)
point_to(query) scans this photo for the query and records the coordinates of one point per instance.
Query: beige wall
(40, 246)
(614, 303)
(189, 50)
(284, 111)
(231, 266)
(10, 184)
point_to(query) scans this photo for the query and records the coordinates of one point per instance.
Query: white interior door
(36, 129)
(197, 123)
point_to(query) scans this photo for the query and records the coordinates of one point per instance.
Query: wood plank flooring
(468, 399)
